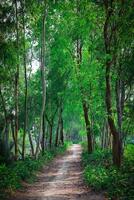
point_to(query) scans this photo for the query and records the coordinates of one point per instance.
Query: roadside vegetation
(13, 175)
(102, 176)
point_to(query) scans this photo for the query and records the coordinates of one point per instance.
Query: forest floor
(60, 180)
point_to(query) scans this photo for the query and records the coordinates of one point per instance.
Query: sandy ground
(61, 180)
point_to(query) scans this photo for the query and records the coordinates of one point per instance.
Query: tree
(43, 74)
(25, 78)
(16, 81)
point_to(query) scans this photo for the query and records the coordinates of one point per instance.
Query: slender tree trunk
(120, 98)
(51, 134)
(88, 128)
(31, 143)
(61, 127)
(46, 134)
(51, 123)
(57, 132)
(5, 141)
(3, 105)
(43, 78)
(26, 87)
(118, 104)
(102, 140)
(102, 136)
(61, 132)
(43, 134)
(106, 138)
(13, 130)
(16, 84)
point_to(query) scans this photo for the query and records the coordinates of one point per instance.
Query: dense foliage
(102, 176)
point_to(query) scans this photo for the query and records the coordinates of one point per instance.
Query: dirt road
(62, 180)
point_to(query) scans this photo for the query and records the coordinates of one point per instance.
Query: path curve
(62, 180)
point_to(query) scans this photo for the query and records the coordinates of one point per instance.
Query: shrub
(99, 157)
(9, 179)
(101, 175)
(96, 177)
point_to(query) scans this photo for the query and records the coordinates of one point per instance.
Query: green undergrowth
(11, 176)
(102, 176)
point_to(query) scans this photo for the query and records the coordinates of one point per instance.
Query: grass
(102, 176)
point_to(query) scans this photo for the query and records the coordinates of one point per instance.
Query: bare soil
(61, 180)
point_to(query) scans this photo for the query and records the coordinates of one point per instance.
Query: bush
(8, 178)
(100, 174)
(99, 157)
(96, 177)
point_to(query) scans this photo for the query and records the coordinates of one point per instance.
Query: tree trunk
(43, 135)
(43, 78)
(120, 98)
(102, 136)
(31, 143)
(25, 77)
(84, 104)
(46, 135)
(51, 133)
(57, 133)
(5, 141)
(116, 136)
(61, 127)
(16, 84)
(12, 129)
(116, 150)
(88, 128)
(116, 147)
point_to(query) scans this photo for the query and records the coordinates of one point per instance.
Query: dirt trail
(62, 180)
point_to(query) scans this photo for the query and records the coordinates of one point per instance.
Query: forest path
(61, 180)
